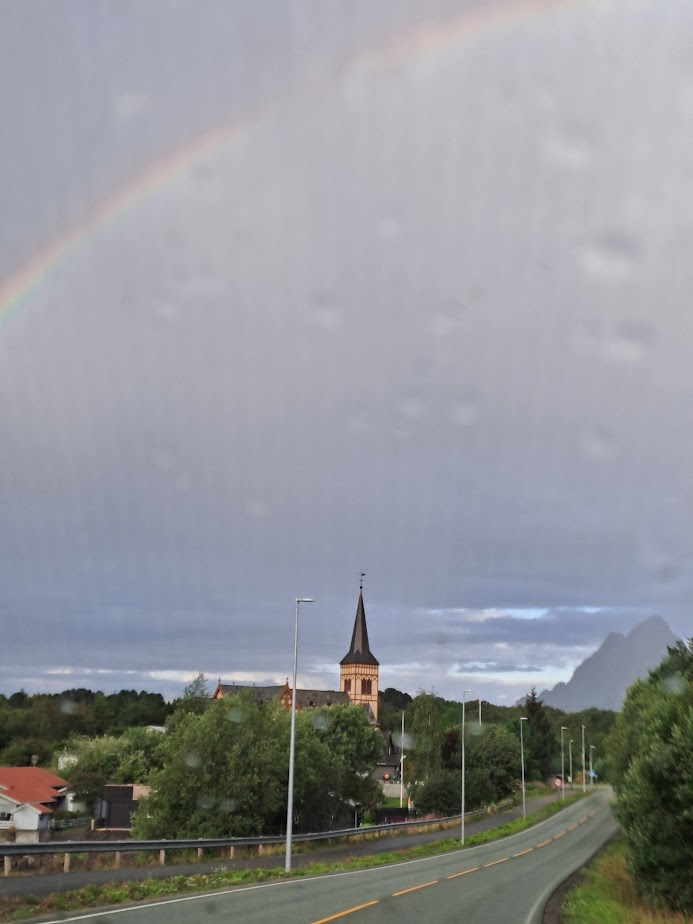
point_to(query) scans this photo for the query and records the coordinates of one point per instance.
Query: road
(506, 882)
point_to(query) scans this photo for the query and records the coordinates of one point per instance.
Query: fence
(226, 844)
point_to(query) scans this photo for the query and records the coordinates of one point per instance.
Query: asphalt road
(506, 882)
(38, 884)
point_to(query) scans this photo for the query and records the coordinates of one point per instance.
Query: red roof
(31, 785)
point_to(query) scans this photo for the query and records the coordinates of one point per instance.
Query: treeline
(432, 743)
(651, 767)
(33, 727)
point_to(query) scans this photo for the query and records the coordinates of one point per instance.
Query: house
(358, 678)
(29, 797)
(118, 805)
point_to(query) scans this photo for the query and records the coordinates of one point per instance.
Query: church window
(347, 685)
(366, 687)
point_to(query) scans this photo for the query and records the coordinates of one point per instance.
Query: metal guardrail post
(66, 863)
(8, 865)
(162, 857)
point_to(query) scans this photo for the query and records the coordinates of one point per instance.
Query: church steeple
(359, 650)
(358, 669)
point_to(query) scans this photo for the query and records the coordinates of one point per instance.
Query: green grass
(607, 895)
(100, 896)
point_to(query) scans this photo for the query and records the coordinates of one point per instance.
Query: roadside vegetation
(101, 896)
(652, 772)
(607, 895)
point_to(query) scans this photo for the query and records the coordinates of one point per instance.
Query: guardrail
(227, 844)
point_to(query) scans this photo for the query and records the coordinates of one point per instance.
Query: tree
(427, 734)
(225, 771)
(653, 771)
(196, 696)
(540, 741)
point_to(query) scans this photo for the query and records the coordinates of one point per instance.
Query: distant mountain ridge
(602, 679)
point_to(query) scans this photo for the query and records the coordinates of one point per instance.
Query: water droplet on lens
(205, 802)
(598, 444)
(68, 706)
(629, 344)
(194, 761)
(236, 714)
(611, 257)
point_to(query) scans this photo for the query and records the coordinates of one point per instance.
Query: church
(358, 678)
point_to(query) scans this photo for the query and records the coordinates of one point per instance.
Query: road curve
(506, 882)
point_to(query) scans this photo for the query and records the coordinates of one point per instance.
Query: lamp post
(584, 787)
(570, 752)
(401, 765)
(591, 770)
(292, 744)
(522, 759)
(563, 728)
(464, 692)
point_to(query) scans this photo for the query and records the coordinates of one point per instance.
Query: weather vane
(363, 574)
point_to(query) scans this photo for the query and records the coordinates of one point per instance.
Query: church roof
(359, 651)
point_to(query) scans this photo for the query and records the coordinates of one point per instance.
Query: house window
(5, 816)
(347, 686)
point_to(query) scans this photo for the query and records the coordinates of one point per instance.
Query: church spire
(359, 650)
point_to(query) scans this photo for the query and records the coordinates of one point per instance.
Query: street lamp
(591, 771)
(401, 765)
(584, 787)
(464, 692)
(563, 728)
(292, 745)
(570, 752)
(522, 758)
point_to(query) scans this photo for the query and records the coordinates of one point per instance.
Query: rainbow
(405, 48)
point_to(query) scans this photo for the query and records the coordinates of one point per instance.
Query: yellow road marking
(523, 852)
(544, 843)
(572, 827)
(560, 834)
(464, 872)
(502, 860)
(333, 917)
(414, 888)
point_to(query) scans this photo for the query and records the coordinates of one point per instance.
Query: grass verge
(94, 896)
(607, 895)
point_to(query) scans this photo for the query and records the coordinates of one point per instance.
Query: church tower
(358, 669)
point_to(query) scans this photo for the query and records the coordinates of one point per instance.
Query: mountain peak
(602, 679)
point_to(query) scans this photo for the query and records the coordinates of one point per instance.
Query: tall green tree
(540, 741)
(225, 771)
(425, 756)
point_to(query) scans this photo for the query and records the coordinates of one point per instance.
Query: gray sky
(294, 290)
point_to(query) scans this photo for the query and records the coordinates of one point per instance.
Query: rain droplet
(629, 344)
(320, 722)
(323, 313)
(205, 802)
(194, 761)
(412, 408)
(236, 714)
(229, 805)
(68, 706)
(673, 685)
(402, 742)
(570, 149)
(465, 413)
(612, 257)
(598, 444)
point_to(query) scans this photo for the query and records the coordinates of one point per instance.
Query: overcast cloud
(311, 289)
